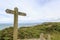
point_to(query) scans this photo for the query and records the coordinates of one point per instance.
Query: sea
(7, 25)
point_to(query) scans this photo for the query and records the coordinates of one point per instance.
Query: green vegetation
(33, 31)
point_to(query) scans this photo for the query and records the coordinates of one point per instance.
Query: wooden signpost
(16, 13)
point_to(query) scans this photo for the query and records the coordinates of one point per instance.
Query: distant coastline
(5, 25)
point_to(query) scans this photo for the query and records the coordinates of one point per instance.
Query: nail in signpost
(16, 13)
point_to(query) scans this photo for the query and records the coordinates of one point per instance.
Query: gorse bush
(32, 32)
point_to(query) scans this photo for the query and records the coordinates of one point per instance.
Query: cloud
(36, 10)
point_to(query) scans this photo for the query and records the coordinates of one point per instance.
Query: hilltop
(52, 28)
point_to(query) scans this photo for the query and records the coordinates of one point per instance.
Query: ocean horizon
(6, 25)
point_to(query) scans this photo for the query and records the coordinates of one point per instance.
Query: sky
(36, 11)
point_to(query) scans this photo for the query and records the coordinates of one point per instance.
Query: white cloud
(35, 12)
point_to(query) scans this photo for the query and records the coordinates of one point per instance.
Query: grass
(55, 36)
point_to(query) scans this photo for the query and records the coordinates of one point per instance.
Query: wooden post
(15, 33)
(16, 13)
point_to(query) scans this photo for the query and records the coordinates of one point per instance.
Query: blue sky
(36, 10)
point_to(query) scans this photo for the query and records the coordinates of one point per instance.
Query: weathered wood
(16, 13)
(15, 33)
(12, 12)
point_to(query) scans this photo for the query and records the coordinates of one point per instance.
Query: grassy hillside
(52, 28)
